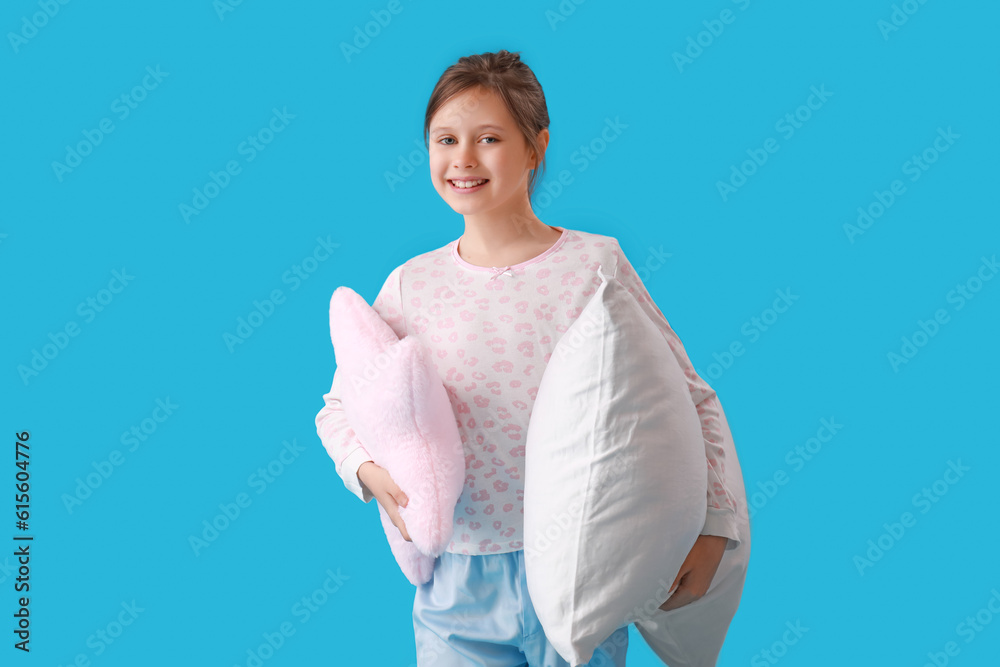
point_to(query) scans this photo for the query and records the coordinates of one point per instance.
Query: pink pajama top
(491, 331)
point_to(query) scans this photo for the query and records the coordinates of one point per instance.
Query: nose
(465, 157)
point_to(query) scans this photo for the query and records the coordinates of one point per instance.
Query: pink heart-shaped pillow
(397, 405)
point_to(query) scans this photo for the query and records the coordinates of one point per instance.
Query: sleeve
(721, 518)
(336, 434)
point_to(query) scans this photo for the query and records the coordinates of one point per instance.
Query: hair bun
(509, 58)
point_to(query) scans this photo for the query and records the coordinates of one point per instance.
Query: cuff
(349, 472)
(722, 523)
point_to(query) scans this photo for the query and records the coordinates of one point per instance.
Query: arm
(336, 434)
(721, 512)
(340, 441)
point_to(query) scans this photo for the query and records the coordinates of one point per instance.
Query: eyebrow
(481, 127)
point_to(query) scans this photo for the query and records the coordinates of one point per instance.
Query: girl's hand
(697, 571)
(388, 495)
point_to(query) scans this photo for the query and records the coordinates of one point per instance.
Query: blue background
(655, 187)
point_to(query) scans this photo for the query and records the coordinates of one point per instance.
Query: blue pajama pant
(475, 612)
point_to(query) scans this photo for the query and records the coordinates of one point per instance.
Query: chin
(463, 210)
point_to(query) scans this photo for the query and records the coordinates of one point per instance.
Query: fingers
(677, 579)
(689, 590)
(397, 493)
(397, 520)
(398, 499)
(402, 528)
(681, 597)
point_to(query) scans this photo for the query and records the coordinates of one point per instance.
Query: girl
(491, 307)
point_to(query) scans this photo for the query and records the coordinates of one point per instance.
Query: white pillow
(615, 475)
(694, 633)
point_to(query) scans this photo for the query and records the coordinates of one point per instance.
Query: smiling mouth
(468, 185)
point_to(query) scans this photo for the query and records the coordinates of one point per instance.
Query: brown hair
(513, 82)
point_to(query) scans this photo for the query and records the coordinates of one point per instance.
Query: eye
(442, 139)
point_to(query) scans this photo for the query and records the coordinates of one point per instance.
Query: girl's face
(473, 137)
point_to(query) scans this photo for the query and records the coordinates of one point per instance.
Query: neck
(494, 233)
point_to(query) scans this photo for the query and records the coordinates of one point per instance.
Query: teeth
(469, 184)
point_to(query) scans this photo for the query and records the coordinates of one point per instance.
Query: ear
(543, 142)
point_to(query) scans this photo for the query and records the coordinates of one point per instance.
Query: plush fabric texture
(615, 475)
(397, 405)
(692, 635)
